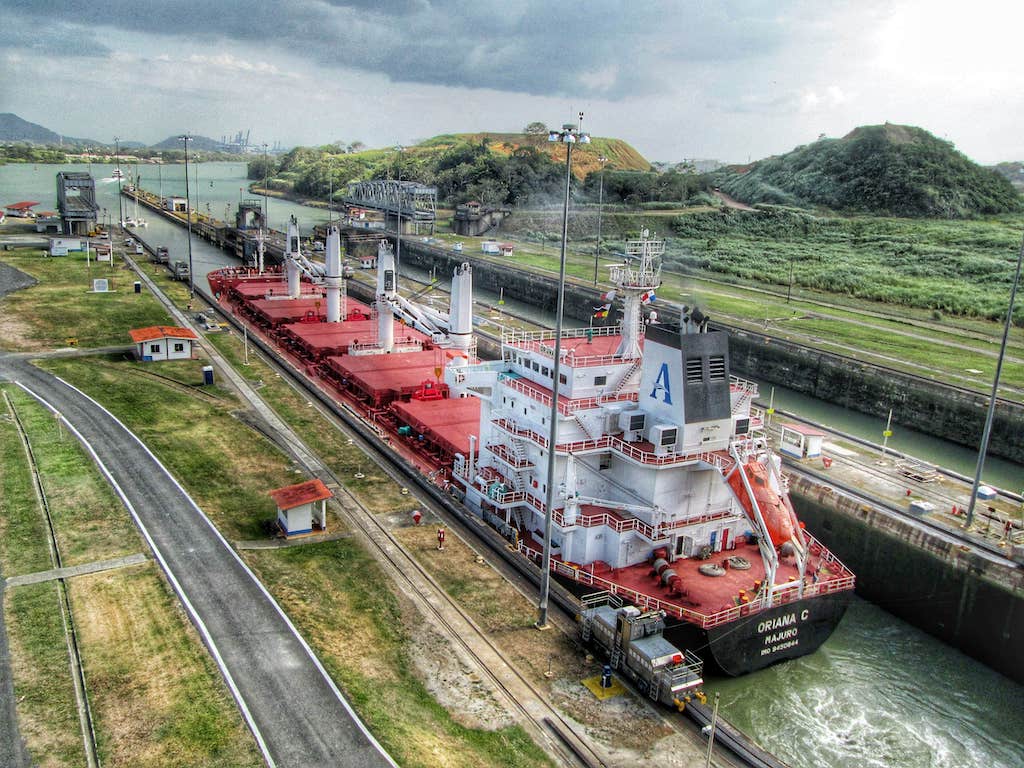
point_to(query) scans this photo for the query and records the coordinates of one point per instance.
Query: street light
(186, 138)
(266, 199)
(569, 135)
(117, 159)
(398, 238)
(600, 205)
(987, 432)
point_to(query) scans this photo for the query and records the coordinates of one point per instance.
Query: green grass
(203, 445)
(90, 521)
(61, 306)
(47, 714)
(22, 526)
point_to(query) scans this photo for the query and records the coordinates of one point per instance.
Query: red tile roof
(804, 430)
(161, 332)
(292, 496)
(22, 206)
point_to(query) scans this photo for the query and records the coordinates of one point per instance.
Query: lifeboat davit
(778, 515)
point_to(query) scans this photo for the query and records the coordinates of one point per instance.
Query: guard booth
(800, 442)
(302, 508)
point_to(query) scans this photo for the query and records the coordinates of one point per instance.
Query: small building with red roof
(302, 507)
(163, 342)
(21, 210)
(800, 441)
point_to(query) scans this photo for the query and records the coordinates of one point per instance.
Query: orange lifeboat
(775, 509)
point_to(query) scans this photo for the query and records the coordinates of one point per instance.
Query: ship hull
(754, 642)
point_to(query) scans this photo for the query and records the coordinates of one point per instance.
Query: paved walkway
(295, 711)
(76, 570)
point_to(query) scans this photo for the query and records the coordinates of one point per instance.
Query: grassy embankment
(879, 289)
(61, 306)
(155, 696)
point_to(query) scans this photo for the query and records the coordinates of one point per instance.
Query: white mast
(460, 310)
(291, 259)
(386, 296)
(333, 275)
(634, 279)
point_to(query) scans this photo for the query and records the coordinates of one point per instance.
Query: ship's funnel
(460, 311)
(332, 277)
(291, 255)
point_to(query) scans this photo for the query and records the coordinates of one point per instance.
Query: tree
(535, 129)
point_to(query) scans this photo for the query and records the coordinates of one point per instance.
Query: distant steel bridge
(416, 203)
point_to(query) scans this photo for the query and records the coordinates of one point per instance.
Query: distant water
(878, 694)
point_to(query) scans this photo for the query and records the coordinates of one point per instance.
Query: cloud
(605, 48)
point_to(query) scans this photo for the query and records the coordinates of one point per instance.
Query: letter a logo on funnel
(663, 383)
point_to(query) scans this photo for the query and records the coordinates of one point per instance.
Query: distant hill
(1014, 172)
(13, 128)
(888, 169)
(200, 143)
(620, 154)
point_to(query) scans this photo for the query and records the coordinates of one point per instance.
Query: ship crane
(452, 329)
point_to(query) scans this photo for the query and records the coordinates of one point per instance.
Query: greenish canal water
(878, 694)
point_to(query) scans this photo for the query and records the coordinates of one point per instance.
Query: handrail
(566, 406)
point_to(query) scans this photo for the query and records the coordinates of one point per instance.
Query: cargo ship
(666, 492)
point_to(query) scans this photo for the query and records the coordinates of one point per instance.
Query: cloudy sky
(730, 80)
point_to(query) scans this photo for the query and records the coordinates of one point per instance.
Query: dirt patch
(451, 679)
(552, 660)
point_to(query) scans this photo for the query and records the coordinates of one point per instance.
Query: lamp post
(266, 198)
(600, 205)
(569, 135)
(186, 138)
(117, 160)
(987, 432)
(398, 237)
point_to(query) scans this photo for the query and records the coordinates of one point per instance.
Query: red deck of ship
(578, 347)
(706, 595)
(317, 340)
(446, 423)
(383, 378)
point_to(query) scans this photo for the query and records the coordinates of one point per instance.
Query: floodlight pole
(569, 135)
(186, 138)
(117, 160)
(600, 207)
(995, 390)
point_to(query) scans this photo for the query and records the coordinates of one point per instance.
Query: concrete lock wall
(930, 582)
(927, 406)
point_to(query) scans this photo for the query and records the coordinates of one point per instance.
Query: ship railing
(517, 336)
(566, 407)
(736, 384)
(719, 461)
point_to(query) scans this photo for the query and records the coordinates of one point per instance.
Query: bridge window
(562, 379)
(600, 381)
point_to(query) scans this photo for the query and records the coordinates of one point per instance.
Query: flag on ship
(608, 296)
(647, 297)
(602, 311)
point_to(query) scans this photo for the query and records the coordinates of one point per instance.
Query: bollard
(606, 676)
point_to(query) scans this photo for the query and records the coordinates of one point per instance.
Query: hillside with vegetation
(889, 169)
(493, 168)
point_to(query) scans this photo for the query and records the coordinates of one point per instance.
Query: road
(297, 715)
